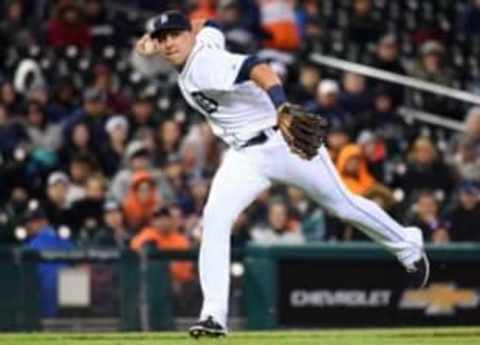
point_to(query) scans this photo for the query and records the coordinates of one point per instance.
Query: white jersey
(236, 111)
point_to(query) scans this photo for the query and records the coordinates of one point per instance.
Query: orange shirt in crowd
(278, 18)
(361, 182)
(206, 9)
(138, 213)
(182, 271)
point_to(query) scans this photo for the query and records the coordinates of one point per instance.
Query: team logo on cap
(163, 19)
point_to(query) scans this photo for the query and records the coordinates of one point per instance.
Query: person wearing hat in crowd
(141, 200)
(117, 128)
(42, 236)
(431, 67)
(137, 158)
(327, 103)
(464, 219)
(114, 232)
(94, 112)
(431, 64)
(57, 208)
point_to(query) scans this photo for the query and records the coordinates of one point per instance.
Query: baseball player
(270, 141)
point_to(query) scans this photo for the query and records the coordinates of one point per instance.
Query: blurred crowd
(93, 152)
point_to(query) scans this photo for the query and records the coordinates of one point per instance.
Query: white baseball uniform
(238, 112)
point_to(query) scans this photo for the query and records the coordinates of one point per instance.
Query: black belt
(258, 139)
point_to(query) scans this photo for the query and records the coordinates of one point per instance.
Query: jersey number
(207, 104)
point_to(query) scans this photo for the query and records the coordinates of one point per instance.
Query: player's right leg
(321, 182)
(236, 184)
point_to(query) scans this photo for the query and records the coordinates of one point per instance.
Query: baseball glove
(304, 132)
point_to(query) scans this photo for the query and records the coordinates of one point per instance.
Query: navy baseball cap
(170, 20)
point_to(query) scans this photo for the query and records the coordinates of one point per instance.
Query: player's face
(175, 45)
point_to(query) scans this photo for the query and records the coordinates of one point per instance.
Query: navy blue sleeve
(212, 24)
(247, 66)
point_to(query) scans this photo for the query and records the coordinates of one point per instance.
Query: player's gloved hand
(146, 46)
(303, 131)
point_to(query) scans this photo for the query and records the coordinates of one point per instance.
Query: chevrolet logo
(439, 299)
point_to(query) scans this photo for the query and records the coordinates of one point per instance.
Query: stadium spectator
(432, 67)
(326, 103)
(111, 155)
(79, 143)
(67, 27)
(375, 153)
(42, 236)
(355, 98)
(364, 26)
(424, 170)
(94, 114)
(161, 234)
(15, 26)
(308, 79)
(204, 9)
(387, 58)
(238, 38)
(278, 20)
(114, 232)
(468, 22)
(426, 216)
(353, 170)
(82, 167)
(168, 138)
(9, 98)
(466, 145)
(464, 219)
(64, 99)
(42, 134)
(102, 28)
(280, 227)
(142, 114)
(336, 140)
(142, 200)
(385, 123)
(138, 158)
(106, 81)
(57, 208)
(12, 133)
(88, 211)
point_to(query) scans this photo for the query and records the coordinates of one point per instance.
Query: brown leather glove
(303, 131)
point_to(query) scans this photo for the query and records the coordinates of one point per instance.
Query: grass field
(423, 336)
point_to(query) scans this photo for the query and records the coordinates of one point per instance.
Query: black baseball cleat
(207, 328)
(418, 275)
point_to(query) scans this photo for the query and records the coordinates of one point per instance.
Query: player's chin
(175, 59)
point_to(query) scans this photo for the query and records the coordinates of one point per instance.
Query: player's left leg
(321, 182)
(236, 184)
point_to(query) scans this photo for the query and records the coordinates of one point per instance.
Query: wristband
(277, 95)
